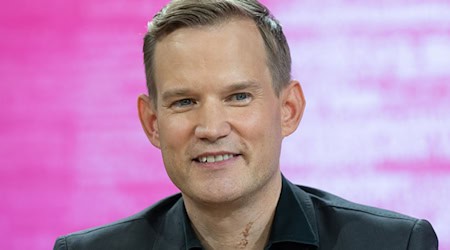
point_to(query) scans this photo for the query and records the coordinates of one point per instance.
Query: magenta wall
(376, 75)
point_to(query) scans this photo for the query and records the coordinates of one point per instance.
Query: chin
(218, 200)
(217, 195)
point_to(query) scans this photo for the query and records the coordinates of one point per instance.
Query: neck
(242, 224)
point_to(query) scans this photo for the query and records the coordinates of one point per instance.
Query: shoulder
(135, 232)
(344, 222)
(325, 201)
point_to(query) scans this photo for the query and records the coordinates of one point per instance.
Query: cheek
(267, 116)
(174, 132)
(259, 124)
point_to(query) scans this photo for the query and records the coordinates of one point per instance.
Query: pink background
(376, 75)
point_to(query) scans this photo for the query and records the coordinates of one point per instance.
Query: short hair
(196, 13)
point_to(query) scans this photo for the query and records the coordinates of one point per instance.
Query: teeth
(217, 158)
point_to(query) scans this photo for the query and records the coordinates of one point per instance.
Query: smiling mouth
(215, 158)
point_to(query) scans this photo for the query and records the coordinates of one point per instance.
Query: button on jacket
(305, 218)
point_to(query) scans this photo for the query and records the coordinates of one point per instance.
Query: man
(220, 102)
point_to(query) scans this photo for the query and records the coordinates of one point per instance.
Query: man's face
(217, 117)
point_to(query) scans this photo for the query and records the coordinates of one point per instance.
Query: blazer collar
(294, 222)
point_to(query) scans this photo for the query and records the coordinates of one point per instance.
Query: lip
(215, 164)
(214, 154)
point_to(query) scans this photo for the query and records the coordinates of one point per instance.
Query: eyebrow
(237, 86)
(171, 93)
(243, 85)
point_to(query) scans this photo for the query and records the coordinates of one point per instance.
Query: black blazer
(305, 218)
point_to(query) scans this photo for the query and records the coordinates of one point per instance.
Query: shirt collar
(294, 220)
(192, 242)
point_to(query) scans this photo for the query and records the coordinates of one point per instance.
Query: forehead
(232, 48)
(236, 25)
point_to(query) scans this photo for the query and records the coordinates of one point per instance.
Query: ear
(149, 119)
(292, 107)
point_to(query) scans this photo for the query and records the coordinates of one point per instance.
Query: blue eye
(241, 96)
(240, 99)
(183, 102)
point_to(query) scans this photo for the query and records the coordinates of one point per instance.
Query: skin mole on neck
(244, 241)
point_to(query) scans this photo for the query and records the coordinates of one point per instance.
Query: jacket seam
(66, 246)
(410, 233)
(371, 213)
(158, 235)
(102, 227)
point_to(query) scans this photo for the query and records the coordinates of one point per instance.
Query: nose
(212, 123)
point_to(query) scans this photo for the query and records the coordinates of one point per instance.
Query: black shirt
(290, 230)
(305, 218)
